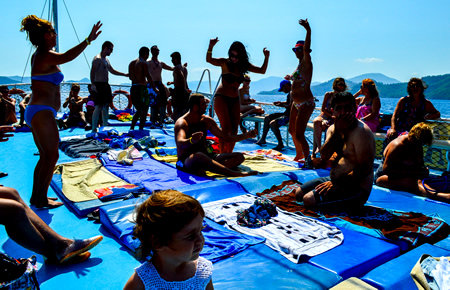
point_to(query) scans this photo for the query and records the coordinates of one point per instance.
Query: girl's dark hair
(337, 81)
(36, 28)
(161, 215)
(242, 65)
(419, 83)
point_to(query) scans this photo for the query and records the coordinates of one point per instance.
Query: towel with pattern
(411, 227)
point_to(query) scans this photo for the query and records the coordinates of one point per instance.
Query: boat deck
(111, 264)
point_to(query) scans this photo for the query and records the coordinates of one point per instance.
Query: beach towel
(294, 237)
(275, 155)
(410, 227)
(220, 242)
(82, 147)
(81, 178)
(152, 174)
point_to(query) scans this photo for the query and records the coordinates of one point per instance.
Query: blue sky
(398, 38)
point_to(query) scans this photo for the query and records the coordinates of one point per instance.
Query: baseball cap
(299, 44)
(282, 84)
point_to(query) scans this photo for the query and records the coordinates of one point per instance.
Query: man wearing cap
(194, 154)
(302, 97)
(155, 67)
(276, 120)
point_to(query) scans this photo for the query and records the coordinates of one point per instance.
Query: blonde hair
(163, 214)
(370, 85)
(421, 133)
(36, 28)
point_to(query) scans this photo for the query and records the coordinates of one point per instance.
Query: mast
(55, 22)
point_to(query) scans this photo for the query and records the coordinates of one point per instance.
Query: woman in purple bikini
(369, 105)
(46, 100)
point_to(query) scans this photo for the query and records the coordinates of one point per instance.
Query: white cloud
(369, 60)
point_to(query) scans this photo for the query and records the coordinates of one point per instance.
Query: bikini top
(55, 78)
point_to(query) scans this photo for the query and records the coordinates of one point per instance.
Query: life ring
(121, 92)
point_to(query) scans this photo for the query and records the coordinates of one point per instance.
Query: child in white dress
(169, 225)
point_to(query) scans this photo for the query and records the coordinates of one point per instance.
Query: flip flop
(76, 259)
(90, 243)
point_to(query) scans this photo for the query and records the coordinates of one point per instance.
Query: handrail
(201, 78)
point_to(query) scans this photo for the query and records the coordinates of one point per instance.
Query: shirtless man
(302, 97)
(155, 67)
(193, 153)
(353, 146)
(181, 91)
(99, 80)
(403, 167)
(140, 76)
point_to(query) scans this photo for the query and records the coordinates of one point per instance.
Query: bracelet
(209, 51)
(190, 140)
(87, 41)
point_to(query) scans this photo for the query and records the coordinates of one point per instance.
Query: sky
(400, 39)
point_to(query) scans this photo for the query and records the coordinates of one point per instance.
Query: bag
(422, 273)
(18, 274)
(434, 185)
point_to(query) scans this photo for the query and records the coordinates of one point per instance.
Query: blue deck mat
(395, 274)
(404, 201)
(220, 242)
(444, 244)
(260, 267)
(214, 190)
(356, 256)
(258, 183)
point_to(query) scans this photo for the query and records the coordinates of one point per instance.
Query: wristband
(209, 51)
(87, 41)
(190, 140)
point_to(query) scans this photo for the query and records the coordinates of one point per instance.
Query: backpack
(18, 273)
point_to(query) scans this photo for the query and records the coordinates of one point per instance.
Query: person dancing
(226, 103)
(302, 97)
(46, 77)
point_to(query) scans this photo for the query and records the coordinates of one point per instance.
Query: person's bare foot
(77, 248)
(299, 157)
(51, 203)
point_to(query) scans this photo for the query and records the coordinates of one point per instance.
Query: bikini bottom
(31, 110)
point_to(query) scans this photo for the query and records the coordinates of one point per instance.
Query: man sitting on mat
(193, 152)
(352, 145)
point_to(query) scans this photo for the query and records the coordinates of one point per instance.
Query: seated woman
(245, 100)
(368, 106)
(403, 166)
(411, 110)
(7, 107)
(324, 120)
(75, 103)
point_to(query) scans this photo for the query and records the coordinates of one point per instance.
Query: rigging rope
(31, 47)
(70, 18)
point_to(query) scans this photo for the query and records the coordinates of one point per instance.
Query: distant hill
(83, 80)
(378, 77)
(438, 87)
